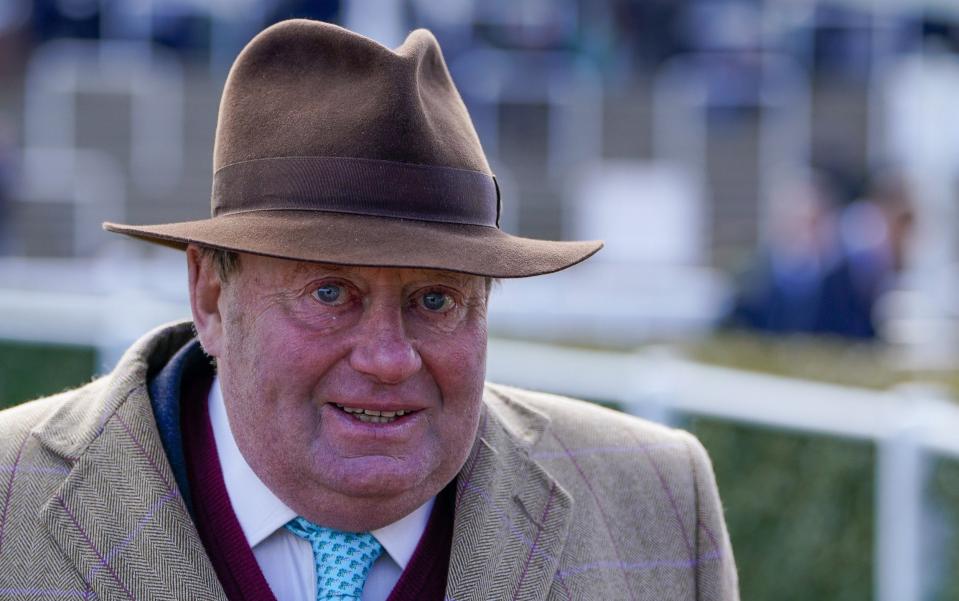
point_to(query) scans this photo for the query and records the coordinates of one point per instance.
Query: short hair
(225, 262)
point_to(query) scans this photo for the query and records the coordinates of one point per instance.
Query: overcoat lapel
(511, 518)
(118, 515)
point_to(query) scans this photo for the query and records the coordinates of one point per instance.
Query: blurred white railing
(906, 425)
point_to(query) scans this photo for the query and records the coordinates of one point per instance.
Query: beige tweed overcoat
(559, 499)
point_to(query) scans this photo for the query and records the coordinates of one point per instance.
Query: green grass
(819, 359)
(943, 515)
(28, 371)
(799, 510)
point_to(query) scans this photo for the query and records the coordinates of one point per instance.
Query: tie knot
(343, 559)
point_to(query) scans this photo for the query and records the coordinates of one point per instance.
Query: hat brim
(361, 240)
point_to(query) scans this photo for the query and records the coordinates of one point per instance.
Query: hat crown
(311, 89)
(333, 148)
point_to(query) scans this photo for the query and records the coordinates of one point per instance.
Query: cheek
(279, 348)
(273, 370)
(457, 361)
(458, 366)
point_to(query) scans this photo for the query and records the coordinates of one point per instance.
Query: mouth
(372, 416)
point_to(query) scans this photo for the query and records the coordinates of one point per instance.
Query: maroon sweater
(424, 578)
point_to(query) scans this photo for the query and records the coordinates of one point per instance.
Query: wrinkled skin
(294, 339)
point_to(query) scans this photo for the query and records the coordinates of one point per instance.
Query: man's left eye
(330, 294)
(436, 301)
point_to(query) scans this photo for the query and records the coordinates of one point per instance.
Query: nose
(382, 350)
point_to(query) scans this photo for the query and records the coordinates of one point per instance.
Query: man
(346, 446)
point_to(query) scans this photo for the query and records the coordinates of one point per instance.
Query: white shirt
(286, 559)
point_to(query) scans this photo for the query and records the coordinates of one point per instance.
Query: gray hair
(226, 262)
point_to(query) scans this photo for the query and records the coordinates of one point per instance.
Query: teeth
(372, 416)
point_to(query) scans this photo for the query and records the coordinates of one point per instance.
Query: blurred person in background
(823, 268)
(783, 291)
(874, 234)
(322, 428)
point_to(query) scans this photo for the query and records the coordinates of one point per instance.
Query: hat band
(360, 186)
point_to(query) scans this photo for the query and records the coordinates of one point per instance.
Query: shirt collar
(261, 513)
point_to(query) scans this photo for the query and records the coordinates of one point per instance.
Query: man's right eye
(330, 294)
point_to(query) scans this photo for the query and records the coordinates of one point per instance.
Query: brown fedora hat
(333, 148)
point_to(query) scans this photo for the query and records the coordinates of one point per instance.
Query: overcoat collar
(120, 519)
(119, 516)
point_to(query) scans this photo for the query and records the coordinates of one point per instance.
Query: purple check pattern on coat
(559, 499)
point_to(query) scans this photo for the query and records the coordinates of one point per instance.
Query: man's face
(307, 352)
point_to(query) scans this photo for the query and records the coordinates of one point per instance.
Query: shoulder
(638, 489)
(68, 422)
(588, 447)
(582, 422)
(19, 422)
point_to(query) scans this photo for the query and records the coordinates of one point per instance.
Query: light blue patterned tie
(343, 559)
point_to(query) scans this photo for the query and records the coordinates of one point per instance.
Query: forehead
(293, 272)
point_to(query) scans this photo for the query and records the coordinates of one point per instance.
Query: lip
(343, 424)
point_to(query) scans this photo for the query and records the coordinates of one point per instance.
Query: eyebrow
(309, 268)
(456, 278)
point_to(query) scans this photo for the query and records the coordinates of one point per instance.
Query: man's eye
(330, 294)
(436, 301)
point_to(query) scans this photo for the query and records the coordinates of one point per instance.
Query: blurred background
(776, 182)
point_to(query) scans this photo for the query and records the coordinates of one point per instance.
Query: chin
(380, 478)
(370, 488)
(364, 504)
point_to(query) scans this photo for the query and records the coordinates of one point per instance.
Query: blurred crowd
(826, 241)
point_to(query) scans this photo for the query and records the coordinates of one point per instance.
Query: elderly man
(342, 443)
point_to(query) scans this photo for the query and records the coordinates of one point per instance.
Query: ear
(205, 289)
